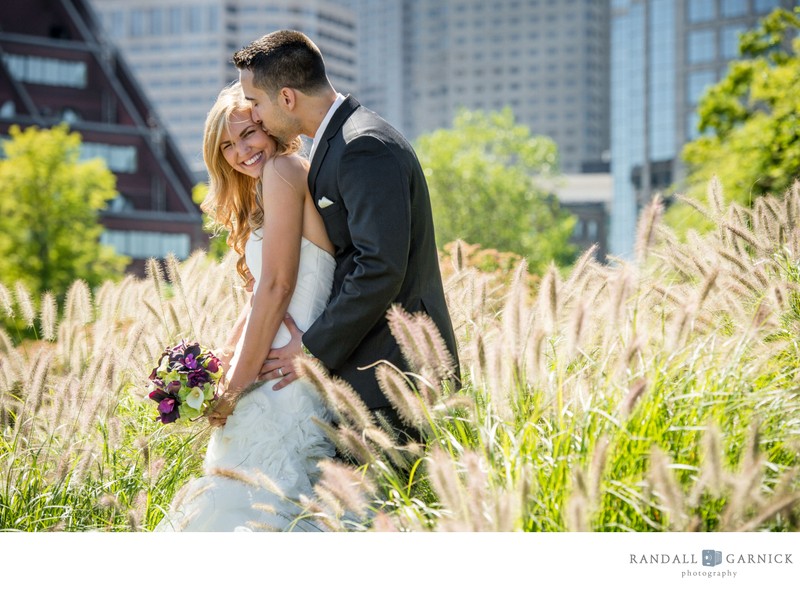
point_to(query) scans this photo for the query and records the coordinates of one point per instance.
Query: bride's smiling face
(245, 146)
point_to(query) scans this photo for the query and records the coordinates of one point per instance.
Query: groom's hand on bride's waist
(280, 361)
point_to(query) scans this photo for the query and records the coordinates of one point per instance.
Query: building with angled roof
(56, 66)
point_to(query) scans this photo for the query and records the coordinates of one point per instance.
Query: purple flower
(198, 378)
(190, 362)
(173, 387)
(168, 408)
(167, 405)
(157, 395)
(213, 364)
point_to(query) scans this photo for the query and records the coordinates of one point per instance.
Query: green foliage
(217, 245)
(485, 177)
(49, 208)
(750, 120)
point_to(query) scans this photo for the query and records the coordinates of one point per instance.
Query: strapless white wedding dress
(269, 434)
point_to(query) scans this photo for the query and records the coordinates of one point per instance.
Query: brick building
(56, 66)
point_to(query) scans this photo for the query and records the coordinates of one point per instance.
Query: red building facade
(56, 66)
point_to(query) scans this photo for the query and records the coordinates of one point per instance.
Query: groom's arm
(374, 186)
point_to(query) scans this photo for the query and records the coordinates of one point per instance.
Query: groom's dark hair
(284, 59)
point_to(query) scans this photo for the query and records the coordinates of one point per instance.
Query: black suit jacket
(381, 225)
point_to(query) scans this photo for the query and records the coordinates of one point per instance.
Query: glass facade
(140, 244)
(687, 45)
(627, 119)
(661, 70)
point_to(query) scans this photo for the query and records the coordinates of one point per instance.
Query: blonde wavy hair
(234, 201)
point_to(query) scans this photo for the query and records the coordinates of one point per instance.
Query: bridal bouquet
(186, 380)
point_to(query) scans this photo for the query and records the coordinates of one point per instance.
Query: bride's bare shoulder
(291, 168)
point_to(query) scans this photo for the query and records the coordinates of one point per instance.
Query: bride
(258, 191)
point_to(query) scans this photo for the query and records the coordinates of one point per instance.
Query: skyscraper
(664, 55)
(548, 60)
(181, 50)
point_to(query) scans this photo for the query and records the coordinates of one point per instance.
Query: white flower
(195, 398)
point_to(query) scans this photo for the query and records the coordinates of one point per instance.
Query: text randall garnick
(692, 559)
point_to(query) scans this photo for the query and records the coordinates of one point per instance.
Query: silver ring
(280, 371)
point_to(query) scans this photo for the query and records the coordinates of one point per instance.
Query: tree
(217, 245)
(751, 118)
(49, 213)
(486, 177)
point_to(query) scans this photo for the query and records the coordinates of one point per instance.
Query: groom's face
(266, 111)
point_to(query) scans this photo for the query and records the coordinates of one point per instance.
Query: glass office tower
(664, 55)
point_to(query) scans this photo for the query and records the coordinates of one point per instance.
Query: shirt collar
(322, 126)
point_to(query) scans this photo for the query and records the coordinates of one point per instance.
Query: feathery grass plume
(6, 303)
(6, 345)
(743, 281)
(174, 274)
(666, 488)
(25, 303)
(577, 327)
(580, 271)
(695, 205)
(349, 487)
(457, 255)
(78, 303)
(421, 343)
(746, 484)
(735, 259)
(646, 229)
(547, 299)
(577, 514)
(445, 481)
(783, 504)
(35, 385)
(395, 385)
(745, 235)
(708, 285)
(353, 444)
(713, 472)
(635, 392)
(621, 290)
(476, 488)
(596, 469)
(715, 196)
(512, 312)
(791, 205)
(337, 394)
(47, 316)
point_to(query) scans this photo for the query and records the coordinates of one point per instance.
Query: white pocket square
(324, 202)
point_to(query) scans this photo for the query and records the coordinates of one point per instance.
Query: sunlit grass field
(648, 395)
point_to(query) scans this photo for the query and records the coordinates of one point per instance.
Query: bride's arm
(234, 335)
(283, 190)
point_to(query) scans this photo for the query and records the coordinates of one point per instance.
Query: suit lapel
(334, 125)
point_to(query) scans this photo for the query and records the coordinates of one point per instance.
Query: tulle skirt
(258, 465)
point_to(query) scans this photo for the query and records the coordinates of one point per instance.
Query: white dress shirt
(321, 129)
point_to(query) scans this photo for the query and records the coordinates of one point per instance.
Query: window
(195, 19)
(175, 21)
(137, 23)
(734, 8)
(157, 21)
(701, 11)
(119, 159)
(698, 82)
(764, 6)
(142, 244)
(49, 71)
(730, 40)
(702, 46)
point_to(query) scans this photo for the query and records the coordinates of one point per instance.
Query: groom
(369, 188)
